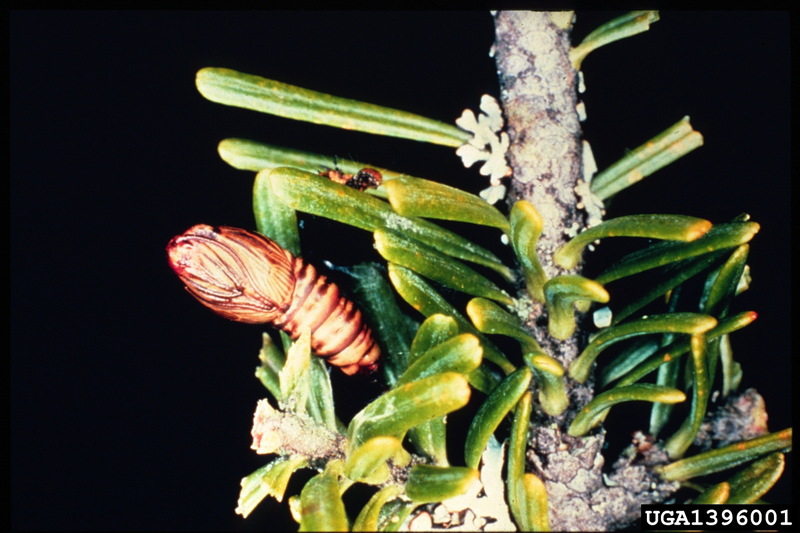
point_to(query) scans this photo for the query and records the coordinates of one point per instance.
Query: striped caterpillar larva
(247, 277)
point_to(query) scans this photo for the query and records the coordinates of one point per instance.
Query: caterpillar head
(243, 276)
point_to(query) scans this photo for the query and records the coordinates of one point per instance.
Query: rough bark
(539, 99)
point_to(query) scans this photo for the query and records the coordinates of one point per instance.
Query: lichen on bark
(539, 98)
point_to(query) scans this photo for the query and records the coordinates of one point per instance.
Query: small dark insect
(366, 178)
(247, 277)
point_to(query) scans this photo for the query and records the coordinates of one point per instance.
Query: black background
(130, 403)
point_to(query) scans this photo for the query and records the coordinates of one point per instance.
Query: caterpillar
(366, 178)
(247, 277)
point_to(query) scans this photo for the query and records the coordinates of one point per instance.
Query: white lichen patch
(487, 144)
(493, 193)
(421, 522)
(572, 231)
(563, 19)
(587, 200)
(602, 317)
(485, 499)
(523, 307)
(580, 108)
(481, 508)
(588, 162)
